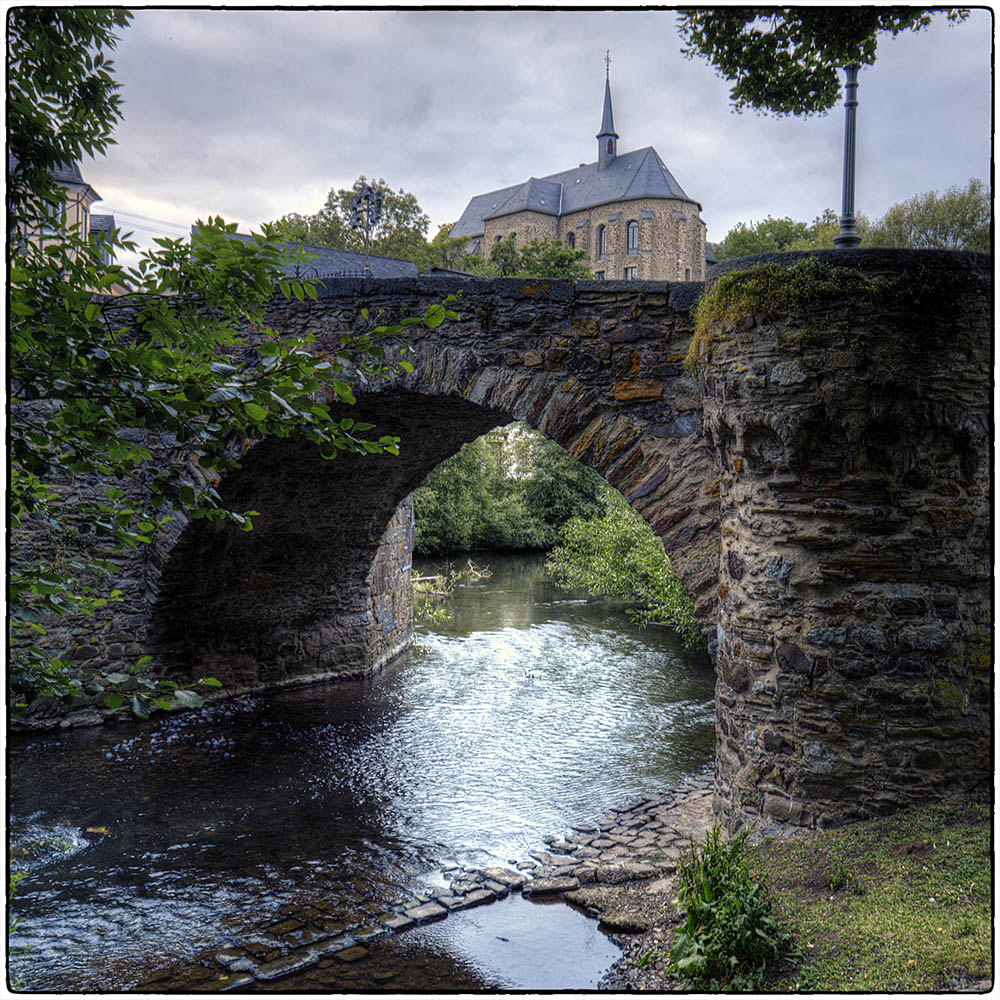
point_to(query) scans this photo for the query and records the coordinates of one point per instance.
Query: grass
(902, 903)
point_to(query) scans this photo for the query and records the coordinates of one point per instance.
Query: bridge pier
(852, 431)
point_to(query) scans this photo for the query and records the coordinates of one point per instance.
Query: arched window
(497, 239)
(602, 240)
(632, 245)
(611, 148)
(571, 240)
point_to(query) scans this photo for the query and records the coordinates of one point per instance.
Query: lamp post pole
(848, 237)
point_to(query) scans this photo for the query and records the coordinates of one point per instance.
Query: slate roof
(101, 223)
(65, 173)
(328, 263)
(628, 177)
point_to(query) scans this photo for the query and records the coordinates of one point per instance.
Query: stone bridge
(822, 489)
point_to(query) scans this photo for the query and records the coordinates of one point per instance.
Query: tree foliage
(616, 554)
(538, 259)
(87, 388)
(784, 60)
(510, 489)
(959, 219)
(401, 232)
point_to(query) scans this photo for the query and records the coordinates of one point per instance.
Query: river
(528, 711)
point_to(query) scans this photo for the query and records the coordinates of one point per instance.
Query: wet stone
(396, 921)
(227, 957)
(550, 886)
(510, 879)
(244, 964)
(364, 934)
(429, 911)
(352, 954)
(497, 888)
(335, 944)
(285, 926)
(477, 898)
(227, 983)
(287, 965)
(307, 935)
(463, 886)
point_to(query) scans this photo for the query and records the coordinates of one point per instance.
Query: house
(626, 210)
(72, 215)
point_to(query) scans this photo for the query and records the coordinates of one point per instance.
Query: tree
(617, 555)
(401, 232)
(785, 59)
(538, 259)
(510, 489)
(85, 387)
(959, 219)
(778, 235)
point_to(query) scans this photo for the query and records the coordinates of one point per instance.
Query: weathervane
(607, 64)
(366, 213)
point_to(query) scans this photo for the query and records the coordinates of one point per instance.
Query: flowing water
(529, 711)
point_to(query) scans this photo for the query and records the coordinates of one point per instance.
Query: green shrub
(616, 554)
(730, 936)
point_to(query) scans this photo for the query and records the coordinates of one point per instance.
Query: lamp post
(848, 237)
(366, 213)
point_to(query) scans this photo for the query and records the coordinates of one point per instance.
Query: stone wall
(671, 237)
(854, 653)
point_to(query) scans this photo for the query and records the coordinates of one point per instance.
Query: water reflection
(526, 712)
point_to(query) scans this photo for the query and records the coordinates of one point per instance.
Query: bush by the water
(616, 554)
(730, 938)
(509, 490)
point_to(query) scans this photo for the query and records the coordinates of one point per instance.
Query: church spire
(607, 138)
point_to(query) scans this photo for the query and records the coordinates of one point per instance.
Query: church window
(571, 240)
(633, 237)
(611, 148)
(631, 273)
(687, 274)
(602, 240)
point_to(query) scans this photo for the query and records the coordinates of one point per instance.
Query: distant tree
(778, 235)
(510, 489)
(505, 257)
(784, 60)
(552, 259)
(616, 554)
(539, 259)
(402, 231)
(959, 219)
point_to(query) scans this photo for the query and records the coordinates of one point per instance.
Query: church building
(625, 209)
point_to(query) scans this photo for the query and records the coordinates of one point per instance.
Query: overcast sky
(252, 114)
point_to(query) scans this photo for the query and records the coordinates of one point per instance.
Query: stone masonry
(854, 642)
(848, 587)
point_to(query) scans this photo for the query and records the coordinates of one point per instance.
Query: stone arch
(309, 593)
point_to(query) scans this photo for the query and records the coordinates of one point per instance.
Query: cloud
(255, 113)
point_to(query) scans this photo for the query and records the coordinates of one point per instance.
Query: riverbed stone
(550, 886)
(426, 912)
(512, 880)
(354, 954)
(226, 984)
(286, 966)
(396, 921)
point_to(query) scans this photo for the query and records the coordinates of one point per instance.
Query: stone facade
(572, 206)
(855, 623)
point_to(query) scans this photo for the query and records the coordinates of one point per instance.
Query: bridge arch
(317, 589)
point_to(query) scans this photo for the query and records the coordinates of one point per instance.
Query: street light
(848, 237)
